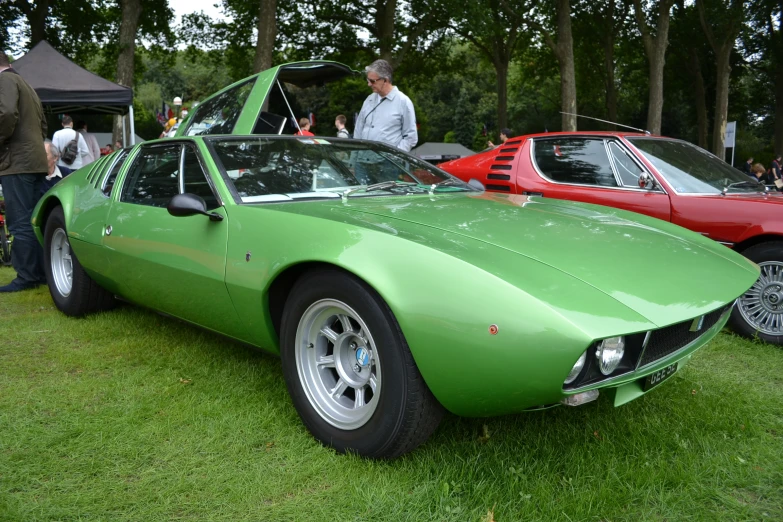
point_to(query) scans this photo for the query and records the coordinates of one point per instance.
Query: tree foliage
(676, 67)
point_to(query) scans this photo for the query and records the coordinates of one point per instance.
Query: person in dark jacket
(777, 168)
(747, 167)
(23, 167)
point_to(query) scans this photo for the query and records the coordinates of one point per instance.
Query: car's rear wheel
(349, 371)
(759, 311)
(73, 291)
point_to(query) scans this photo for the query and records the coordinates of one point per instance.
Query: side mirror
(646, 181)
(183, 205)
(476, 184)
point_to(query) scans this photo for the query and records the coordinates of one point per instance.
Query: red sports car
(662, 177)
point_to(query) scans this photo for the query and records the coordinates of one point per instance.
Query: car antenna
(606, 121)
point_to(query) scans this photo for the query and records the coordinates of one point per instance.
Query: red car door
(592, 169)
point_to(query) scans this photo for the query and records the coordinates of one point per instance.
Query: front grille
(668, 340)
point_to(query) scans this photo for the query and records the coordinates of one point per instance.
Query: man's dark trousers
(21, 192)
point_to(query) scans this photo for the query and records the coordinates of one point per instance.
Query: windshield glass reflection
(692, 170)
(285, 168)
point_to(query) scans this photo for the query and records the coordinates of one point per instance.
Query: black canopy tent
(64, 87)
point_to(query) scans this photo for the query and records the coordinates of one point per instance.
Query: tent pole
(132, 129)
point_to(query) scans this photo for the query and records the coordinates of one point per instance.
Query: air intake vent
(500, 167)
(505, 177)
(669, 339)
(499, 188)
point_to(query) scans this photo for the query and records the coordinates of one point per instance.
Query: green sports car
(391, 290)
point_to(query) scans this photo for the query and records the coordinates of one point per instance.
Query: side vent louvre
(499, 188)
(504, 158)
(499, 176)
(500, 167)
(510, 149)
(90, 174)
(94, 175)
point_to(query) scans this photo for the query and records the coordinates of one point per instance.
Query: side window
(627, 168)
(195, 180)
(575, 160)
(219, 114)
(153, 177)
(108, 183)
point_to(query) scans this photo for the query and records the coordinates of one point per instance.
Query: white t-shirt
(62, 138)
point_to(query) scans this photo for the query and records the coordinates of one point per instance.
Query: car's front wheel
(759, 311)
(73, 291)
(349, 371)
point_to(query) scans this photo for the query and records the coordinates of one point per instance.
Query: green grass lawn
(132, 416)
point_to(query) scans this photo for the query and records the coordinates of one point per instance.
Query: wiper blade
(446, 183)
(376, 186)
(746, 183)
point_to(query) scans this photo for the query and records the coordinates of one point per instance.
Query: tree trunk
(701, 99)
(655, 102)
(501, 69)
(657, 61)
(131, 12)
(267, 30)
(655, 48)
(779, 110)
(37, 19)
(565, 44)
(611, 91)
(721, 98)
(385, 13)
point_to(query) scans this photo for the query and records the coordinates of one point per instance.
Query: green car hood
(646, 264)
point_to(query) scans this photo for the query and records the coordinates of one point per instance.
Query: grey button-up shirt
(389, 119)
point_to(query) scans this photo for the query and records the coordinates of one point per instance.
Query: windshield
(692, 170)
(287, 168)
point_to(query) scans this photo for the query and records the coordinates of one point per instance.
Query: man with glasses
(386, 116)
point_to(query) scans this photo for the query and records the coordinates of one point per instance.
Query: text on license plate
(654, 379)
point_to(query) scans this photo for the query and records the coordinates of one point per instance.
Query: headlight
(610, 353)
(574, 373)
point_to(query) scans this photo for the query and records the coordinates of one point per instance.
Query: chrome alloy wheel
(61, 263)
(762, 305)
(338, 364)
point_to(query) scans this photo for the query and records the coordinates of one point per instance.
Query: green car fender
(446, 319)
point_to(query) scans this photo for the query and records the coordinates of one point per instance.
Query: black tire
(85, 296)
(770, 256)
(406, 413)
(5, 248)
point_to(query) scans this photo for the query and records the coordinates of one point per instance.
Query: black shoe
(18, 286)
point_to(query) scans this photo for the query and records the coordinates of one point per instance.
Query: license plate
(654, 379)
